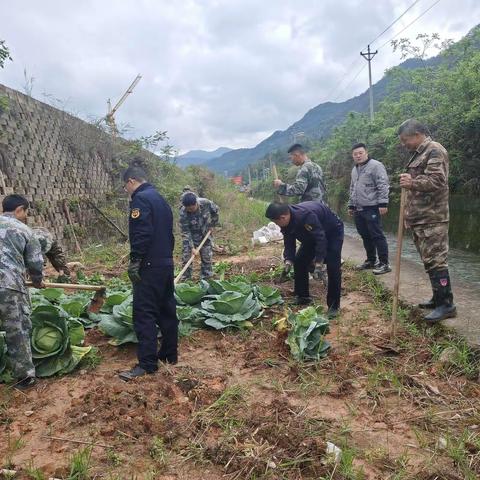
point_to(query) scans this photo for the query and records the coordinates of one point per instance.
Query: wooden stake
(197, 250)
(398, 260)
(274, 171)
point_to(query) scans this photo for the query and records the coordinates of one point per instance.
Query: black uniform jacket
(150, 228)
(312, 223)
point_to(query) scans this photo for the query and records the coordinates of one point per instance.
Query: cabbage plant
(119, 324)
(231, 309)
(268, 296)
(306, 337)
(190, 294)
(56, 341)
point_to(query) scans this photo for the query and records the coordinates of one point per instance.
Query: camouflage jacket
(51, 249)
(427, 199)
(198, 223)
(308, 183)
(20, 253)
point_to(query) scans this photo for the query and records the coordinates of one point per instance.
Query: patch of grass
(462, 360)
(92, 359)
(221, 413)
(34, 473)
(80, 464)
(114, 458)
(14, 445)
(157, 451)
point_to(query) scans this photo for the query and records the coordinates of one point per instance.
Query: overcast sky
(215, 72)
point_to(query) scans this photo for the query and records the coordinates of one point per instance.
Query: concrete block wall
(52, 157)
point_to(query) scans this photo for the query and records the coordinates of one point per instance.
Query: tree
(4, 53)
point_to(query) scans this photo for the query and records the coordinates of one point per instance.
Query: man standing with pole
(151, 273)
(427, 212)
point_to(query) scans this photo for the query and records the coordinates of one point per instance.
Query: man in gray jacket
(369, 188)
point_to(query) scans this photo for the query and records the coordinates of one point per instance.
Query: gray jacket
(369, 186)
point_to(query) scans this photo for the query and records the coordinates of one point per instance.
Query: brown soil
(238, 406)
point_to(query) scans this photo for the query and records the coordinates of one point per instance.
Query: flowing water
(464, 256)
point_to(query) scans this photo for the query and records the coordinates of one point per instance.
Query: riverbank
(415, 287)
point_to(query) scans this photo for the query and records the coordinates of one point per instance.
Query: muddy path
(237, 406)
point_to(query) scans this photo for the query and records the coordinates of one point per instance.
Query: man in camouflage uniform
(309, 180)
(197, 217)
(427, 212)
(52, 251)
(20, 253)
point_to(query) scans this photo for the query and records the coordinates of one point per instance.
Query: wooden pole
(69, 220)
(111, 222)
(72, 286)
(197, 250)
(274, 172)
(398, 260)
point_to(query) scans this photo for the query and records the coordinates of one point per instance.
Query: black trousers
(154, 308)
(333, 260)
(369, 227)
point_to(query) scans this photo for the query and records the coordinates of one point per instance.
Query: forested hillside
(446, 97)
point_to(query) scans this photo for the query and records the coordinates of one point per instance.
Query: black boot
(442, 293)
(429, 304)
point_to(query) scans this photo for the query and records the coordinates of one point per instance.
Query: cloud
(215, 72)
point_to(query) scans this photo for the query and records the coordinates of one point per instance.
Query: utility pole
(368, 56)
(249, 176)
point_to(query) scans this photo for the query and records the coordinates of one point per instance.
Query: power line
(410, 24)
(351, 81)
(383, 45)
(394, 22)
(355, 62)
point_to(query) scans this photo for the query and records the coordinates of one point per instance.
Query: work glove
(319, 273)
(287, 268)
(64, 277)
(134, 270)
(38, 282)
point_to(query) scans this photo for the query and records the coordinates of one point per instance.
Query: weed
(221, 412)
(157, 451)
(92, 359)
(33, 472)
(114, 458)
(14, 444)
(80, 463)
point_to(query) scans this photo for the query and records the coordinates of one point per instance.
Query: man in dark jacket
(320, 233)
(368, 202)
(151, 273)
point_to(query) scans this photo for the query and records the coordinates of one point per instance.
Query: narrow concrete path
(415, 286)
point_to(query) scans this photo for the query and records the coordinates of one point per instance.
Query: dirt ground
(238, 407)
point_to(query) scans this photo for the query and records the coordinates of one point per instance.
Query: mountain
(197, 157)
(317, 123)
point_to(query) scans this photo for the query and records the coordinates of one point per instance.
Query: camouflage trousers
(206, 255)
(431, 241)
(15, 322)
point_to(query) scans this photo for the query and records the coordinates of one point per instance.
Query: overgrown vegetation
(444, 95)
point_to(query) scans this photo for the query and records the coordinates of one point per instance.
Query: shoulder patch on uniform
(135, 213)
(308, 227)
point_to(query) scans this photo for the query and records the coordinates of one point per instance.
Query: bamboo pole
(398, 260)
(196, 250)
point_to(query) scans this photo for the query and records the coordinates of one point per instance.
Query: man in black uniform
(320, 233)
(151, 273)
